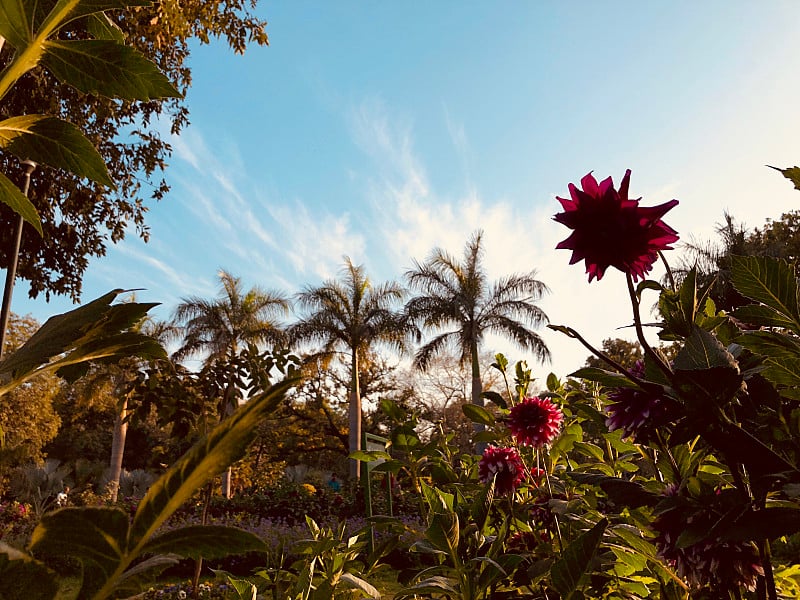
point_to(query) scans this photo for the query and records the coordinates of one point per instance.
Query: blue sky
(380, 130)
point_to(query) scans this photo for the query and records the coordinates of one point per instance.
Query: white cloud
(413, 219)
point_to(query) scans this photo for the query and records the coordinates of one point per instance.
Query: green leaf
(432, 585)
(770, 344)
(205, 541)
(369, 456)
(495, 398)
(16, 22)
(11, 196)
(66, 11)
(688, 297)
(391, 410)
(107, 68)
(31, 579)
(762, 316)
(791, 173)
(768, 281)
(438, 500)
(54, 142)
(204, 461)
(359, 584)
(478, 414)
(703, 351)
(553, 383)
(443, 533)
(621, 491)
(94, 535)
(102, 28)
(574, 562)
(89, 332)
(783, 371)
(606, 378)
(481, 505)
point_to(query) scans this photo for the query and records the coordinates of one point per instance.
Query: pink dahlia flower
(535, 422)
(504, 465)
(609, 230)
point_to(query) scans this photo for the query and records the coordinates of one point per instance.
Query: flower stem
(766, 564)
(669, 271)
(637, 321)
(569, 331)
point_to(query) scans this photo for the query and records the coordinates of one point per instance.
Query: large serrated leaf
(11, 196)
(762, 316)
(54, 142)
(205, 460)
(66, 11)
(770, 344)
(703, 351)
(16, 22)
(24, 578)
(107, 68)
(572, 565)
(783, 371)
(93, 331)
(100, 27)
(205, 541)
(769, 281)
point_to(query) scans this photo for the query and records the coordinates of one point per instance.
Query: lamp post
(11, 272)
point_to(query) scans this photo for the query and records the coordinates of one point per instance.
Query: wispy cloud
(413, 218)
(276, 240)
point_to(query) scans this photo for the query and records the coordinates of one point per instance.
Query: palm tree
(456, 300)
(713, 259)
(219, 328)
(350, 315)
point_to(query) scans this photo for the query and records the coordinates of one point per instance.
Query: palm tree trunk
(228, 474)
(355, 416)
(477, 389)
(118, 448)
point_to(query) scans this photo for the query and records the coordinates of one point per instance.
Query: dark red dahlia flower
(713, 563)
(611, 231)
(535, 422)
(504, 465)
(639, 414)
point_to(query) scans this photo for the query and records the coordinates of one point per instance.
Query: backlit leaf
(769, 281)
(574, 562)
(11, 196)
(206, 541)
(54, 142)
(107, 68)
(791, 173)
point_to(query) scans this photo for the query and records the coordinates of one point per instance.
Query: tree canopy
(80, 217)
